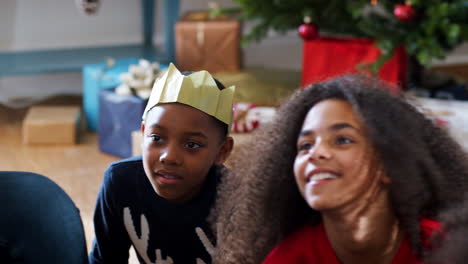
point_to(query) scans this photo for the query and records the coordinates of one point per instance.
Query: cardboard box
(119, 116)
(137, 139)
(212, 45)
(51, 125)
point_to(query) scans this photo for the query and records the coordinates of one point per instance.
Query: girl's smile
(318, 176)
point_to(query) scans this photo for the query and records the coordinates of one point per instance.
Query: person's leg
(39, 222)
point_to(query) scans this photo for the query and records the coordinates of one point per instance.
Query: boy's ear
(142, 127)
(224, 151)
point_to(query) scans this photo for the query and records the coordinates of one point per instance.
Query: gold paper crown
(198, 90)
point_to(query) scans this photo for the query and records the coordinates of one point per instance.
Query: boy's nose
(169, 156)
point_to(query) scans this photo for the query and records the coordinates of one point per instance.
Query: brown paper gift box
(212, 45)
(51, 125)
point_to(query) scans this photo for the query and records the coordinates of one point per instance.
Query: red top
(310, 245)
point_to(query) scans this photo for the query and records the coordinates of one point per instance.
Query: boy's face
(180, 144)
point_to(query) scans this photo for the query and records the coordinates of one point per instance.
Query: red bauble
(308, 31)
(404, 12)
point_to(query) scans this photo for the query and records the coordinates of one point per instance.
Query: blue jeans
(39, 223)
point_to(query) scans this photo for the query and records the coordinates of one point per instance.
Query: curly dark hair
(259, 203)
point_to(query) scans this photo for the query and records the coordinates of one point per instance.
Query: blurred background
(64, 63)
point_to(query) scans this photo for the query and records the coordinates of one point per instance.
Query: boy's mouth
(168, 175)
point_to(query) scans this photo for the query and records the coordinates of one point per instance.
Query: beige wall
(49, 24)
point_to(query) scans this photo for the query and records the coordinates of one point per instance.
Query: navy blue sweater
(129, 212)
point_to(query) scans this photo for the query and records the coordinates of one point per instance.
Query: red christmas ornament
(308, 30)
(404, 12)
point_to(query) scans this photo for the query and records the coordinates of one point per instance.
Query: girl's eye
(155, 137)
(304, 146)
(343, 140)
(192, 145)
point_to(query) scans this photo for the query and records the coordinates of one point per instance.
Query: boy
(159, 202)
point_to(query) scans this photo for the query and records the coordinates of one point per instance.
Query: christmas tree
(427, 28)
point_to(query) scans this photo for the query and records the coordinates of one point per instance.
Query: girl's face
(333, 167)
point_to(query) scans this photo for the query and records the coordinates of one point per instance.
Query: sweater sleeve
(111, 243)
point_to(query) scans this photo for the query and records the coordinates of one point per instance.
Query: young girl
(347, 173)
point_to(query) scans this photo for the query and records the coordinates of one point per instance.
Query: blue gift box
(119, 116)
(97, 77)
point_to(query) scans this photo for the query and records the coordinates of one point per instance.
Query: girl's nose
(320, 152)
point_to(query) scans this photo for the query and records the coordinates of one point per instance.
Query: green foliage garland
(438, 26)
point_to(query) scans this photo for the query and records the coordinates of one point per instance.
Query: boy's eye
(155, 137)
(192, 145)
(343, 140)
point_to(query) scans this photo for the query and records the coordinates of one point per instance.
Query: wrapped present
(248, 117)
(97, 77)
(328, 57)
(51, 125)
(450, 114)
(203, 44)
(119, 116)
(139, 79)
(121, 109)
(240, 124)
(261, 86)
